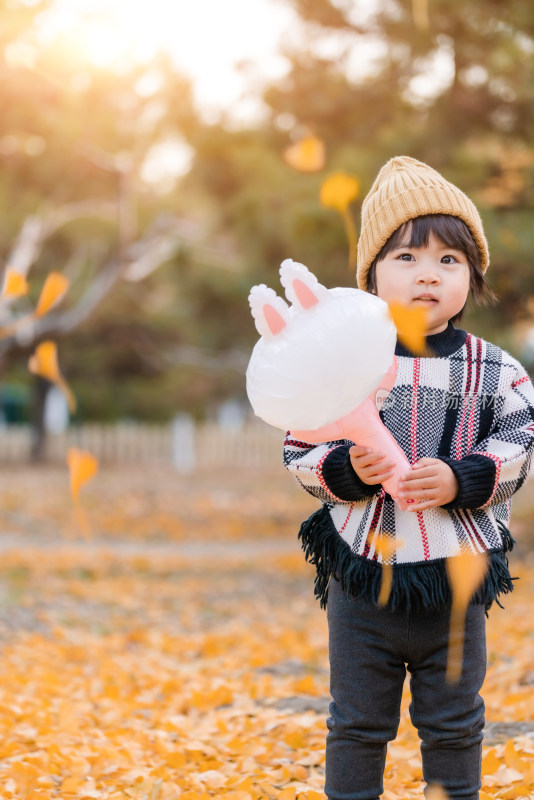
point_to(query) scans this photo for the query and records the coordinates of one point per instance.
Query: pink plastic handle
(364, 427)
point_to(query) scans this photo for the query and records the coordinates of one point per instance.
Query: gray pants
(370, 649)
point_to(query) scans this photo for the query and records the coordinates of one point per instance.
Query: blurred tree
(78, 149)
(444, 82)
(454, 88)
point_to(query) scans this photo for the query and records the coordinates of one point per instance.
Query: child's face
(435, 277)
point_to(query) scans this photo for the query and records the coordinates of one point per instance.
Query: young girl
(464, 416)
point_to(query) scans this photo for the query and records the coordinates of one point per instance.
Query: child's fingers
(422, 505)
(418, 480)
(417, 488)
(364, 457)
(357, 452)
(380, 477)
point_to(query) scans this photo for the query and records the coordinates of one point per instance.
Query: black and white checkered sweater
(472, 405)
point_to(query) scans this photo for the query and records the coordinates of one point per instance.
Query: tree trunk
(38, 447)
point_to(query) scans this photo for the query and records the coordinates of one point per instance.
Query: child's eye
(405, 257)
(449, 260)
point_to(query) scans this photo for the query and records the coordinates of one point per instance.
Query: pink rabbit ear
(304, 294)
(275, 321)
(302, 287)
(270, 312)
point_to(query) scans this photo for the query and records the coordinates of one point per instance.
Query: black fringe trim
(415, 586)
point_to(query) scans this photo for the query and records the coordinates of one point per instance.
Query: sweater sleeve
(325, 471)
(498, 466)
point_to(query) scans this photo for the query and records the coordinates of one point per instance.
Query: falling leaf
(339, 190)
(83, 466)
(54, 288)
(15, 284)
(306, 155)
(466, 572)
(44, 362)
(411, 324)
(386, 547)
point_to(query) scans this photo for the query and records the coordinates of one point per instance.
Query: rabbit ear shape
(302, 287)
(270, 312)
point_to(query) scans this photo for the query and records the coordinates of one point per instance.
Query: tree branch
(38, 228)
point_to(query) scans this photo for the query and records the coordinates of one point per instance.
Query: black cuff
(476, 480)
(341, 479)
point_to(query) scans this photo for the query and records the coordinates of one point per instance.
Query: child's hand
(431, 483)
(369, 466)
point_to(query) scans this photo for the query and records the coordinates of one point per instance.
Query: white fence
(182, 444)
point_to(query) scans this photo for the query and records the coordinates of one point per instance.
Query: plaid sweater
(471, 405)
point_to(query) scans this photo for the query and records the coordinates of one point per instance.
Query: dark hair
(454, 233)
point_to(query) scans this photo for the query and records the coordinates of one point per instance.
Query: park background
(160, 638)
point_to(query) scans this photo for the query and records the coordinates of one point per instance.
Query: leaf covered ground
(178, 651)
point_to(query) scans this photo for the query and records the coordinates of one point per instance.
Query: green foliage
(459, 95)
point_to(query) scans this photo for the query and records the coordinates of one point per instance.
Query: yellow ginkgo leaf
(289, 793)
(54, 288)
(82, 466)
(411, 324)
(386, 547)
(466, 573)
(307, 155)
(44, 363)
(15, 284)
(339, 190)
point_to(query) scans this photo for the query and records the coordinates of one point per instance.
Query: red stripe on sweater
(498, 465)
(424, 535)
(467, 391)
(413, 444)
(374, 523)
(472, 404)
(468, 523)
(413, 426)
(524, 379)
(351, 509)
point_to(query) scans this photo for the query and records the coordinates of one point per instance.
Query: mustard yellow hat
(404, 189)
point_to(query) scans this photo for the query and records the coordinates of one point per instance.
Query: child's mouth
(426, 299)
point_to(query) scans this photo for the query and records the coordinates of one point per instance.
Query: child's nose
(428, 275)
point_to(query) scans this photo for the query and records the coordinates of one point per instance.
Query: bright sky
(206, 38)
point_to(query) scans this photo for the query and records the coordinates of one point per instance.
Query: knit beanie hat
(404, 189)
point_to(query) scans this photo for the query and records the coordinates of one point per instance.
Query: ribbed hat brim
(403, 190)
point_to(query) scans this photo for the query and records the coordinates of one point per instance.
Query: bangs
(450, 231)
